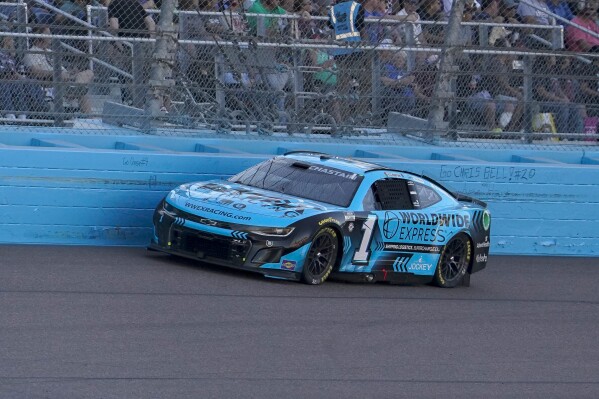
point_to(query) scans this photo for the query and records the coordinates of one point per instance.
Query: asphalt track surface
(85, 322)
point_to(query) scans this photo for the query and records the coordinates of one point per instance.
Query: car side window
(426, 196)
(393, 194)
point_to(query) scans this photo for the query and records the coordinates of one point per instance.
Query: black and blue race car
(310, 216)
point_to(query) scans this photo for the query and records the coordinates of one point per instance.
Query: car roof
(333, 161)
(357, 166)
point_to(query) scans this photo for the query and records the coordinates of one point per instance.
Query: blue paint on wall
(101, 190)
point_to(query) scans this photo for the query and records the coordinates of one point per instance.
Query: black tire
(454, 261)
(321, 257)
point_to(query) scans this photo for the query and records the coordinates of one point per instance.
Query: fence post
(58, 84)
(102, 52)
(557, 38)
(21, 42)
(375, 64)
(443, 91)
(138, 59)
(410, 42)
(219, 70)
(163, 58)
(260, 26)
(528, 95)
(298, 80)
(483, 36)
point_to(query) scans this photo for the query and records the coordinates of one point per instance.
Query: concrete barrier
(102, 190)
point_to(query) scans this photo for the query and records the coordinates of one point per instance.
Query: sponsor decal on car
(392, 229)
(350, 217)
(484, 244)
(486, 220)
(329, 220)
(300, 242)
(392, 222)
(397, 246)
(395, 175)
(329, 171)
(288, 264)
(420, 266)
(422, 234)
(213, 211)
(481, 258)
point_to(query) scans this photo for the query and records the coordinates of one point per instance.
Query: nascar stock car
(307, 216)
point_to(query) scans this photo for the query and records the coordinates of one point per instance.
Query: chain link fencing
(495, 73)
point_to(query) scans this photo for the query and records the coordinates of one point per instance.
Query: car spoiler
(466, 198)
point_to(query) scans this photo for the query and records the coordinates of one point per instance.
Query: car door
(400, 228)
(383, 202)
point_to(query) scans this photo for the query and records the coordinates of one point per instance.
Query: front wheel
(454, 262)
(321, 258)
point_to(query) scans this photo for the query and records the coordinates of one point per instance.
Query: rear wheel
(321, 258)
(454, 261)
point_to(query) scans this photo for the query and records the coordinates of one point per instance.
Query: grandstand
(479, 72)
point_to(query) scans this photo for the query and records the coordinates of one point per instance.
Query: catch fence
(236, 72)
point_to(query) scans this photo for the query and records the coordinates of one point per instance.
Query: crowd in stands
(489, 87)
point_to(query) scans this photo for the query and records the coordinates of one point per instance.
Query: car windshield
(302, 179)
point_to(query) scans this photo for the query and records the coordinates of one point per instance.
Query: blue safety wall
(101, 190)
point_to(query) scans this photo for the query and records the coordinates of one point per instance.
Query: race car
(309, 216)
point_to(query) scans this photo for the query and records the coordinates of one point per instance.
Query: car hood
(236, 202)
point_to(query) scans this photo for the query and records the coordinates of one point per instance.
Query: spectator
(569, 84)
(347, 20)
(76, 8)
(397, 94)
(561, 9)
(578, 40)
(374, 32)
(149, 5)
(127, 18)
(431, 10)
(270, 27)
(40, 63)
(18, 95)
(507, 93)
(41, 15)
(425, 76)
(376, 10)
(508, 10)
(534, 12)
(589, 83)
(548, 91)
(287, 5)
(475, 86)
(448, 4)
(489, 13)
(324, 80)
(196, 62)
(410, 14)
(231, 22)
(305, 24)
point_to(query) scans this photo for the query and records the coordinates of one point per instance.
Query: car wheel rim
(321, 253)
(454, 258)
